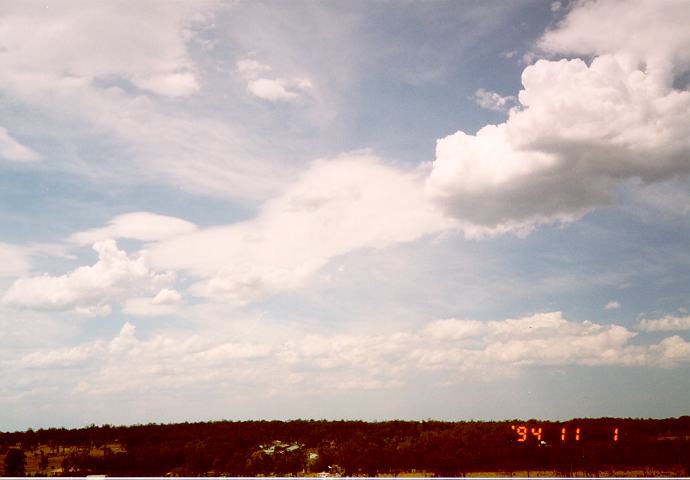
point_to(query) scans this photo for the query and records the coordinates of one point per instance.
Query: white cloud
(164, 303)
(250, 68)
(49, 250)
(492, 100)
(315, 362)
(106, 66)
(660, 39)
(461, 346)
(144, 43)
(612, 305)
(143, 226)
(14, 260)
(453, 329)
(174, 362)
(89, 310)
(11, 149)
(144, 307)
(540, 339)
(171, 85)
(578, 130)
(87, 290)
(272, 89)
(665, 324)
(62, 358)
(671, 351)
(166, 296)
(336, 206)
(269, 89)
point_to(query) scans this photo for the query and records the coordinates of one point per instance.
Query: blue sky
(369, 210)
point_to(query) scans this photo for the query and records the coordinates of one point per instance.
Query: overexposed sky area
(343, 209)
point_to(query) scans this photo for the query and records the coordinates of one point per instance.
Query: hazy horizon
(343, 210)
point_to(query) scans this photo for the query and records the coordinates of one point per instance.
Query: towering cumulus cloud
(580, 126)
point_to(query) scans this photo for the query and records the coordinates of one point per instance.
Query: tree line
(302, 447)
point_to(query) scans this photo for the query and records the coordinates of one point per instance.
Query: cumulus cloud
(671, 351)
(598, 28)
(164, 361)
(492, 100)
(270, 87)
(540, 339)
(88, 290)
(166, 296)
(451, 348)
(11, 149)
(665, 324)
(579, 128)
(143, 226)
(335, 207)
(164, 303)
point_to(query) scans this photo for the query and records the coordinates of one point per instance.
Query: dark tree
(14, 463)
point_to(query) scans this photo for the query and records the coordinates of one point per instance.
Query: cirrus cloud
(122, 74)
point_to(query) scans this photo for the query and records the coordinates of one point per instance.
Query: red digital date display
(554, 434)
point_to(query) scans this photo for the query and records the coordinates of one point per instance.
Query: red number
(522, 432)
(537, 433)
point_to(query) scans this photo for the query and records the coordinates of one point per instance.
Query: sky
(366, 210)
